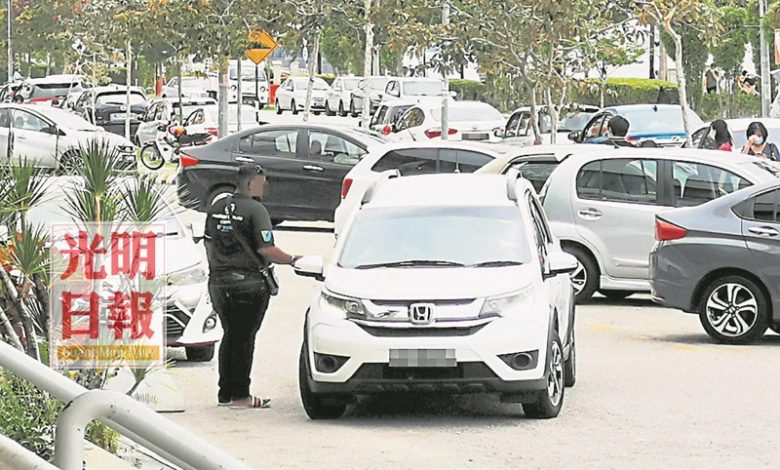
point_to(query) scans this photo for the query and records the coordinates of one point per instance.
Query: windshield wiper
(495, 264)
(412, 262)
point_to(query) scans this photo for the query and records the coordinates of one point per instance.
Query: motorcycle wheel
(151, 158)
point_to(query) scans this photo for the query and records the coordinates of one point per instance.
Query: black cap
(248, 170)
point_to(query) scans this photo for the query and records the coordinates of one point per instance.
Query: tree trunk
(10, 332)
(552, 111)
(42, 294)
(312, 65)
(222, 96)
(239, 92)
(31, 344)
(178, 86)
(681, 84)
(535, 118)
(129, 65)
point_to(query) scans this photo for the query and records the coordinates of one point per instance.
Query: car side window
(421, 161)
(276, 143)
(464, 161)
(594, 128)
(701, 139)
(406, 119)
(337, 85)
(379, 116)
(333, 149)
(158, 112)
(540, 237)
(512, 125)
(619, 180)
(765, 206)
(5, 118)
(29, 122)
(697, 183)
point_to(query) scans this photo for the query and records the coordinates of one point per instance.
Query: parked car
(661, 123)
(387, 115)
(305, 165)
(340, 94)
(254, 83)
(408, 159)
(190, 320)
(106, 106)
(50, 137)
(405, 88)
(8, 91)
(374, 87)
(467, 120)
(519, 129)
(602, 202)
(738, 129)
(52, 89)
(719, 261)
(291, 95)
(535, 163)
(191, 87)
(405, 308)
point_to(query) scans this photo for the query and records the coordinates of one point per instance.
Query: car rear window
(422, 161)
(537, 172)
(53, 90)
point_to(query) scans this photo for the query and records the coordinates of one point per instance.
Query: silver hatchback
(602, 201)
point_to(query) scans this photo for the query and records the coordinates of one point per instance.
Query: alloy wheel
(579, 278)
(732, 310)
(555, 379)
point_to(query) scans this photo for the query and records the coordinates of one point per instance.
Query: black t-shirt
(250, 221)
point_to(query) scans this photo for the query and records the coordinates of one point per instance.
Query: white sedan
(340, 94)
(291, 95)
(467, 120)
(50, 137)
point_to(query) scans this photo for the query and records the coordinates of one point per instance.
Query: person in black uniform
(618, 130)
(239, 243)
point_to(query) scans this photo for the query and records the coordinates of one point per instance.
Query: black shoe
(223, 401)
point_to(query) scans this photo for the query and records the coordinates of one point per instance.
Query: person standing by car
(758, 142)
(240, 246)
(720, 135)
(617, 129)
(712, 78)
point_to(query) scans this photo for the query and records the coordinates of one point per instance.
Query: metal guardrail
(13, 455)
(121, 413)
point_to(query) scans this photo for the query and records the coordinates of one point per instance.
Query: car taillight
(188, 160)
(387, 130)
(345, 187)
(40, 100)
(665, 231)
(436, 132)
(213, 131)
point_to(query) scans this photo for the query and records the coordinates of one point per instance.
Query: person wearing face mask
(720, 136)
(758, 143)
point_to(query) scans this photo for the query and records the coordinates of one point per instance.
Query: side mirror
(198, 232)
(561, 263)
(310, 266)
(574, 136)
(500, 133)
(360, 123)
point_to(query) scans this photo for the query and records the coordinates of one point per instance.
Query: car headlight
(342, 305)
(505, 304)
(126, 148)
(210, 323)
(187, 277)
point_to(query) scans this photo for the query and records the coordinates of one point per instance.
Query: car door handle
(244, 159)
(589, 214)
(764, 231)
(313, 168)
(20, 137)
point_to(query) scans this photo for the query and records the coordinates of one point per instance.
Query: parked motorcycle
(157, 153)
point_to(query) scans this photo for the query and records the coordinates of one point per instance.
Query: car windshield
(377, 84)
(350, 83)
(422, 88)
(319, 84)
(469, 112)
(119, 98)
(665, 120)
(571, 121)
(66, 119)
(445, 236)
(247, 73)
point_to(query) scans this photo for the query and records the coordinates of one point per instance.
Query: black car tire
(352, 110)
(342, 111)
(294, 107)
(615, 294)
(328, 111)
(278, 107)
(570, 366)
(750, 292)
(214, 196)
(200, 353)
(590, 270)
(549, 402)
(315, 405)
(316, 113)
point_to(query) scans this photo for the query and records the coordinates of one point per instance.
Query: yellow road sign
(261, 46)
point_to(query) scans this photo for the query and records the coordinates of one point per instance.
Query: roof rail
(511, 182)
(371, 191)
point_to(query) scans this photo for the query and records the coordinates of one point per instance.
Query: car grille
(176, 320)
(420, 332)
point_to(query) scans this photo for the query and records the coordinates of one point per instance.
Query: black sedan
(721, 261)
(106, 106)
(305, 166)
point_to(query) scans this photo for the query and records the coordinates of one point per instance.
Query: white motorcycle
(158, 152)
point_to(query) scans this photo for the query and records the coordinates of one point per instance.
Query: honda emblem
(421, 314)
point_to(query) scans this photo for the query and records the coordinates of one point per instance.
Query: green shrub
(620, 91)
(29, 416)
(724, 106)
(468, 89)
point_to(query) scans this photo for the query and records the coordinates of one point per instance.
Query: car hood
(84, 137)
(428, 283)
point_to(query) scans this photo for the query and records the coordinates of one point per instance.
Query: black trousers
(240, 300)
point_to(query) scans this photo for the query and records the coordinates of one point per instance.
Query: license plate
(118, 116)
(423, 358)
(475, 136)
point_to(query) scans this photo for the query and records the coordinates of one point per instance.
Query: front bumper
(186, 312)
(479, 369)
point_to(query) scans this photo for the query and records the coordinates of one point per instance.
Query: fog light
(522, 360)
(210, 323)
(328, 363)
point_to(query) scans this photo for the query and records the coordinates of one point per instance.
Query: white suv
(442, 284)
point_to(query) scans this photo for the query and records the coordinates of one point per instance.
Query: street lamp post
(766, 86)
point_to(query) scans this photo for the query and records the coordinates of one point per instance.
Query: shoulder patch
(268, 235)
